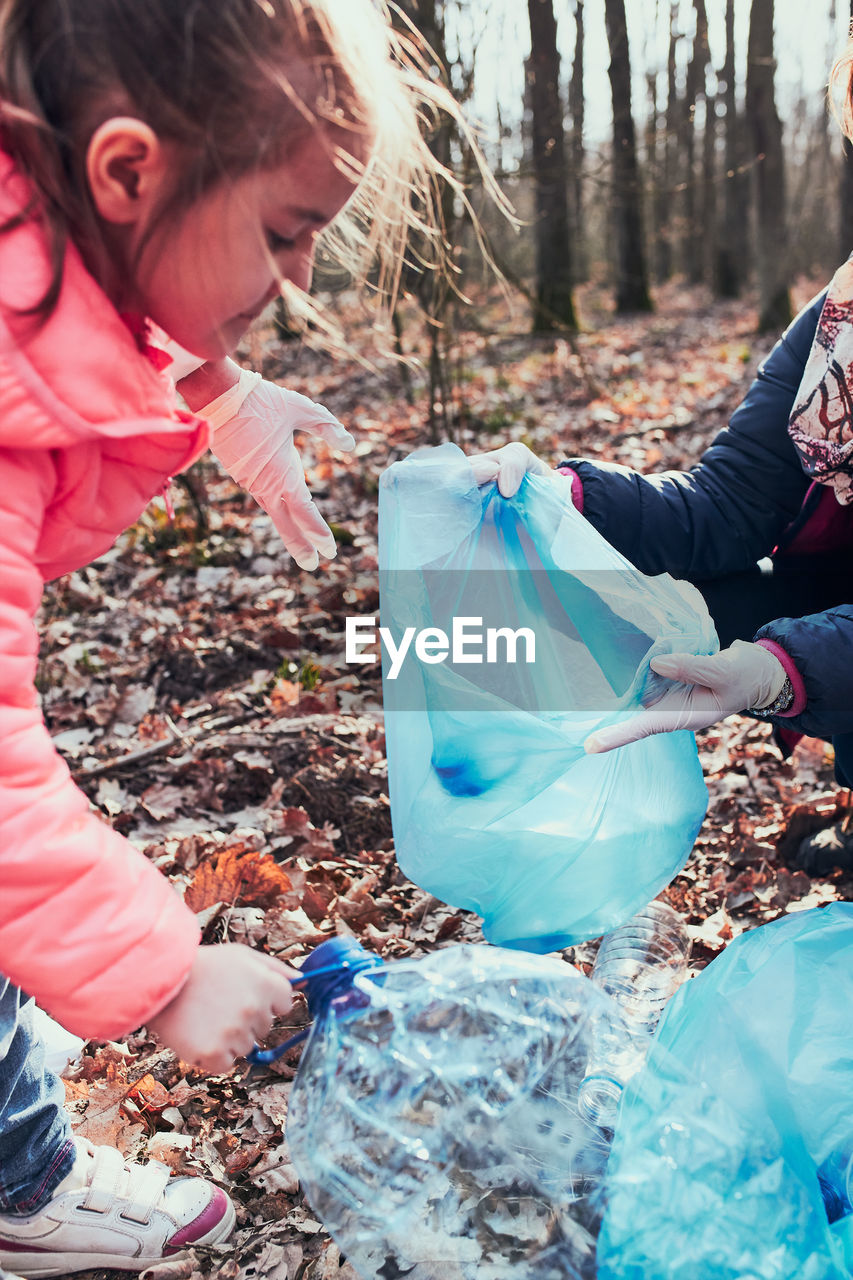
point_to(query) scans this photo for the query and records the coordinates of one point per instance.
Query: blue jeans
(36, 1151)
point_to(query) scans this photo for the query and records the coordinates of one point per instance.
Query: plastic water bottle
(434, 1118)
(640, 965)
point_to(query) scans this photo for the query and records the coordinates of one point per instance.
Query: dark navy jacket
(745, 498)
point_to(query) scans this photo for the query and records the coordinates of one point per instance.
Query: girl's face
(207, 277)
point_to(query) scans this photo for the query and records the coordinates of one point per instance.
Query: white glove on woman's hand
(508, 466)
(253, 424)
(746, 675)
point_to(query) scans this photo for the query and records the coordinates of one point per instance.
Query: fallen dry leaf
(149, 1094)
(162, 802)
(311, 842)
(237, 874)
(99, 1112)
(172, 1269)
(287, 929)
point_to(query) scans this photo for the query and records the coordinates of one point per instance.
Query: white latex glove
(253, 424)
(226, 1005)
(508, 466)
(746, 675)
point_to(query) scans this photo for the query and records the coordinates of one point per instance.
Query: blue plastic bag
(495, 806)
(744, 1105)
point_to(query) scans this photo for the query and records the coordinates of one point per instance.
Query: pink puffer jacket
(89, 431)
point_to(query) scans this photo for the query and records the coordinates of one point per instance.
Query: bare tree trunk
(687, 150)
(846, 193)
(554, 305)
(666, 200)
(500, 169)
(708, 227)
(766, 132)
(632, 292)
(653, 152)
(432, 288)
(694, 213)
(576, 113)
(730, 251)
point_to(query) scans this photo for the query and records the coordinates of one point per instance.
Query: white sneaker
(114, 1213)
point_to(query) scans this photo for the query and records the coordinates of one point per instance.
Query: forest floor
(195, 681)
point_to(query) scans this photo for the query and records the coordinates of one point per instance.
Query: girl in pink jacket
(164, 164)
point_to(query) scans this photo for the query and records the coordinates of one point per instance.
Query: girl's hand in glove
(227, 1004)
(253, 424)
(508, 466)
(745, 676)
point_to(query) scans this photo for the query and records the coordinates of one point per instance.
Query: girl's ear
(126, 169)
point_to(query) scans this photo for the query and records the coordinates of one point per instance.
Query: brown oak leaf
(237, 874)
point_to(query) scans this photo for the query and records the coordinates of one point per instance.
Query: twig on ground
(192, 737)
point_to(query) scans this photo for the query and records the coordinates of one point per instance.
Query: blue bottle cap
(329, 969)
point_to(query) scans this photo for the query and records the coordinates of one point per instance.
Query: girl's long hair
(234, 85)
(841, 87)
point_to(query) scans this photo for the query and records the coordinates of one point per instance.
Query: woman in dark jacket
(763, 525)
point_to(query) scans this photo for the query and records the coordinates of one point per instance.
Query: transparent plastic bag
(737, 1135)
(495, 806)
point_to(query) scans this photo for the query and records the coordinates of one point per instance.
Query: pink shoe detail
(210, 1217)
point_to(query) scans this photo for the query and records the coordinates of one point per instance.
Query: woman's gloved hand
(253, 424)
(508, 465)
(744, 676)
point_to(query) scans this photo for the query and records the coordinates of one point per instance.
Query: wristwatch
(782, 702)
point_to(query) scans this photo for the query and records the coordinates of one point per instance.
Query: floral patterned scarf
(821, 422)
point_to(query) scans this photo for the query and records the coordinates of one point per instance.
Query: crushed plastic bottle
(434, 1123)
(640, 965)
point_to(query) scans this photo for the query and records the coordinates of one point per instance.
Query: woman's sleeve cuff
(577, 485)
(799, 704)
